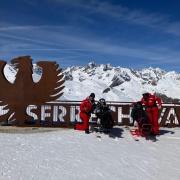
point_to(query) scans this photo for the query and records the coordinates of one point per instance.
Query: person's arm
(142, 101)
(159, 102)
(97, 109)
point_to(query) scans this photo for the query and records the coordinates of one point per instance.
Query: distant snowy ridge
(119, 84)
(111, 83)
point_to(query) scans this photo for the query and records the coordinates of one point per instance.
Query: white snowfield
(73, 155)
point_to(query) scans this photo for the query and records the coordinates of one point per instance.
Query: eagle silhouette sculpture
(24, 91)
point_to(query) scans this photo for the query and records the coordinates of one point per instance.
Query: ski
(134, 134)
(98, 136)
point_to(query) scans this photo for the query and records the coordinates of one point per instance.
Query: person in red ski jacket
(86, 108)
(152, 104)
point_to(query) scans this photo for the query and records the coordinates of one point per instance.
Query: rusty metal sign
(63, 114)
(24, 92)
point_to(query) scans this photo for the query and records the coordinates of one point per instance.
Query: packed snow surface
(73, 155)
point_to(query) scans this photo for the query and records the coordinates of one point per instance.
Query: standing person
(86, 108)
(152, 104)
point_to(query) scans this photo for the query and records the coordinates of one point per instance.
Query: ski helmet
(92, 95)
(102, 101)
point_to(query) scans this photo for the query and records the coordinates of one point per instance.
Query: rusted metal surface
(24, 91)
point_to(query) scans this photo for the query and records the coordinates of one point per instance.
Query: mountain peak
(122, 84)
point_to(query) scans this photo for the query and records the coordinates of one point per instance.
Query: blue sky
(127, 33)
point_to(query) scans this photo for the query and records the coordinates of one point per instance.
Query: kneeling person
(141, 117)
(103, 112)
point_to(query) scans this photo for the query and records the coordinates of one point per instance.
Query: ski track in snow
(69, 155)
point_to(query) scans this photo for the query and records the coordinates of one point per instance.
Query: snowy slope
(72, 155)
(111, 83)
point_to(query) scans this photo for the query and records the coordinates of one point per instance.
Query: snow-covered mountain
(111, 83)
(119, 84)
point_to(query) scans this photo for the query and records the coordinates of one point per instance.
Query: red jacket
(151, 101)
(86, 106)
